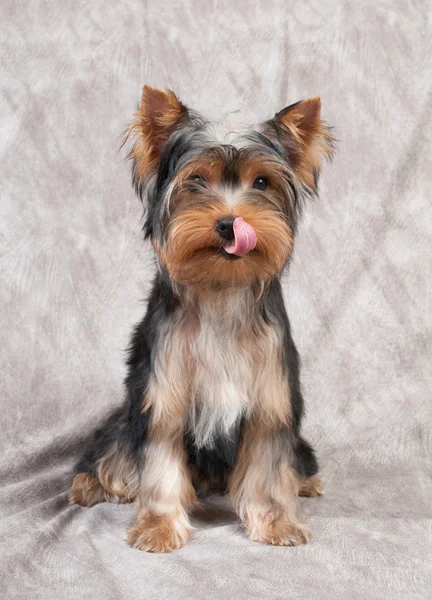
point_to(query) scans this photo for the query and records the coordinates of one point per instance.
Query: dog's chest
(223, 354)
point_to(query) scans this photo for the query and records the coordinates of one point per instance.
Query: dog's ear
(159, 114)
(306, 139)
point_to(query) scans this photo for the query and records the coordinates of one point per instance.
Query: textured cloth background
(74, 270)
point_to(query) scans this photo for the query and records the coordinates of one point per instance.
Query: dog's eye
(197, 179)
(260, 183)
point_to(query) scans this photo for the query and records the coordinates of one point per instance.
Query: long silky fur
(213, 381)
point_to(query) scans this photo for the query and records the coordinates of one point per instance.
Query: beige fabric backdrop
(74, 269)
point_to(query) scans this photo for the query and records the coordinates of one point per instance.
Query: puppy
(212, 392)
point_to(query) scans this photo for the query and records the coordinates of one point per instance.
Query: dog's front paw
(159, 533)
(278, 532)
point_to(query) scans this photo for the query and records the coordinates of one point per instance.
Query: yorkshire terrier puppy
(212, 392)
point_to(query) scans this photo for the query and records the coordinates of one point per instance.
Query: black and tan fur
(213, 391)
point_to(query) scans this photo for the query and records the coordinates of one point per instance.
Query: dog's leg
(165, 491)
(106, 471)
(265, 486)
(87, 491)
(114, 478)
(165, 495)
(311, 487)
(306, 466)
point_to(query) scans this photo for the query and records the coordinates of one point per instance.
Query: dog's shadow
(214, 511)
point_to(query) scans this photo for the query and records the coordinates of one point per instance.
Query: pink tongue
(244, 238)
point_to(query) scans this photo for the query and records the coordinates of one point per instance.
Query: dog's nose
(224, 227)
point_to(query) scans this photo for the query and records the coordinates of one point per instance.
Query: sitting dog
(212, 392)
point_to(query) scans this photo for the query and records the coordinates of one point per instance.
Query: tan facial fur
(192, 254)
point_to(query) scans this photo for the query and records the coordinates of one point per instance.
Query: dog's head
(223, 204)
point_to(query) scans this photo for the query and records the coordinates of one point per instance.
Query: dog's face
(223, 204)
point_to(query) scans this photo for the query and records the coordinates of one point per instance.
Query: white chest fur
(222, 378)
(219, 362)
(228, 356)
